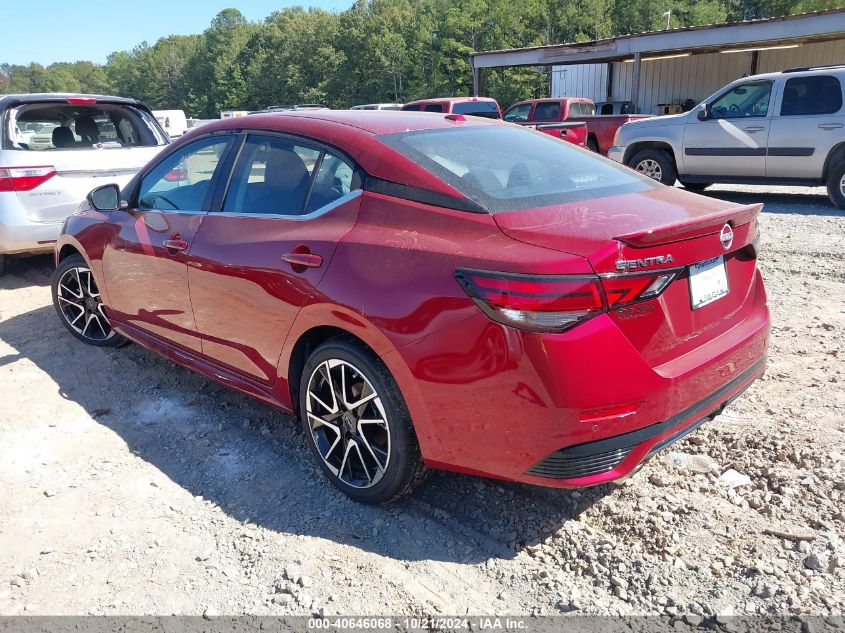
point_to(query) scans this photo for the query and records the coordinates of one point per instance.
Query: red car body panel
(485, 398)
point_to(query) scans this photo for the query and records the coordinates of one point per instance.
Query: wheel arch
(836, 154)
(639, 146)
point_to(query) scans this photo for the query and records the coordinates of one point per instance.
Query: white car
(54, 149)
(173, 122)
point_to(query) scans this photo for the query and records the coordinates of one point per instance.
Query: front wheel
(656, 164)
(696, 186)
(80, 307)
(836, 184)
(357, 425)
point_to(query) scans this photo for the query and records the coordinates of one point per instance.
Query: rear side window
(273, 176)
(811, 95)
(486, 109)
(507, 168)
(434, 107)
(182, 181)
(411, 108)
(606, 108)
(547, 111)
(61, 126)
(334, 179)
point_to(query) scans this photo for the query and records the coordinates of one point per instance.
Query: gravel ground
(129, 485)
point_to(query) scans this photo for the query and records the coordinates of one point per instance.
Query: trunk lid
(657, 230)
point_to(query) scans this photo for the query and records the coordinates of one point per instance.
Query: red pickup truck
(541, 112)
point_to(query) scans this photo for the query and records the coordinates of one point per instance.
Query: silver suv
(784, 128)
(55, 148)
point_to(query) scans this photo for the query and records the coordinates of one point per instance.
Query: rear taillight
(556, 303)
(24, 178)
(177, 174)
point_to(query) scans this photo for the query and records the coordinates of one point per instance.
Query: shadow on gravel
(798, 203)
(251, 461)
(25, 271)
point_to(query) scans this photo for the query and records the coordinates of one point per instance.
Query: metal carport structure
(688, 62)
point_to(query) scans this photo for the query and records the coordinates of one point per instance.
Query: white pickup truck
(785, 128)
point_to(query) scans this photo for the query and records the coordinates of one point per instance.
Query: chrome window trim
(347, 197)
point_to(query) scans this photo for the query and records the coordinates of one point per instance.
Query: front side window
(506, 168)
(745, 100)
(182, 181)
(811, 95)
(518, 113)
(415, 107)
(273, 176)
(434, 107)
(63, 126)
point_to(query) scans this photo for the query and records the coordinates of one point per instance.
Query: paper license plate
(708, 281)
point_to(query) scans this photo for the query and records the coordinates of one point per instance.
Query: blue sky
(77, 30)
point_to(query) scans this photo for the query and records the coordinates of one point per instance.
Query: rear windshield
(487, 109)
(506, 168)
(56, 126)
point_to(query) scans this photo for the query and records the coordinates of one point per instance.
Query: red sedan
(427, 291)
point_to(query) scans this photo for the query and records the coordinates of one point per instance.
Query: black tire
(593, 145)
(88, 308)
(696, 186)
(402, 468)
(836, 184)
(655, 164)
(2, 265)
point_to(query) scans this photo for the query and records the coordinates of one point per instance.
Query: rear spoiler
(695, 227)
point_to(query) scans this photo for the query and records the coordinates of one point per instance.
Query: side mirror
(704, 112)
(105, 198)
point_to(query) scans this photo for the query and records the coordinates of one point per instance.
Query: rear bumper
(493, 401)
(19, 234)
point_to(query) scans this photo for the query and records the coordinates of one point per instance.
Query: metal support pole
(755, 59)
(635, 87)
(609, 87)
(475, 78)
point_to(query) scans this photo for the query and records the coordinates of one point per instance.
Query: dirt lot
(129, 485)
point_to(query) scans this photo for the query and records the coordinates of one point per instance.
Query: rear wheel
(80, 307)
(836, 184)
(656, 164)
(696, 186)
(357, 425)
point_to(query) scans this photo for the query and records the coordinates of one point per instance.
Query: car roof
(452, 100)
(371, 121)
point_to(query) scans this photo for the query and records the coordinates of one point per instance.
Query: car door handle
(303, 260)
(754, 128)
(830, 126)
(176, 245)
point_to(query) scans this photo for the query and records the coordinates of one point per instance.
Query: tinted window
(412, 108)
(606, 108)
(745, 100)
(504, 168)
(547, 111)
(272, 176)
(486, 109)
(334, 179)
(434, 107)
(182, 180)
(518, 112)
(811, 95)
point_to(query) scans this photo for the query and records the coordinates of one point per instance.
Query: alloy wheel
(651, 168)
(81, 306)
(348, 423)
(842, 185)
